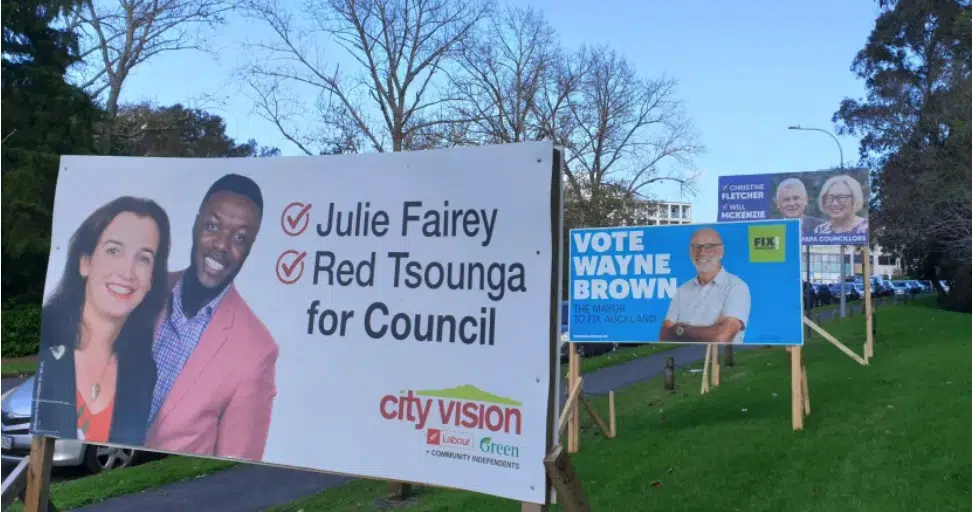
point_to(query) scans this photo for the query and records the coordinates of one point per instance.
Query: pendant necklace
(96, 387)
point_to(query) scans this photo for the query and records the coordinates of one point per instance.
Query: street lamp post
(843, 295)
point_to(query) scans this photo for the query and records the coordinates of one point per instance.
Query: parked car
(917, 286)
(824, 295)
(15, 410)
(900, 288)
(849, 291)
(888, 288)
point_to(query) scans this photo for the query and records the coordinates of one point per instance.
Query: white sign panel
(381, 315)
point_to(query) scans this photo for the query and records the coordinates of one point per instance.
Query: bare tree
(118, 35)
(503, 73)
(392, 101)
(624, 130)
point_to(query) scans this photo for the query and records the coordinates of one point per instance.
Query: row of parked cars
(821, 294)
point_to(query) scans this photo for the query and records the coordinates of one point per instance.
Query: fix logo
(464, 406)
(767, 243)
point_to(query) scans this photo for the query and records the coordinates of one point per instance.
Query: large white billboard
(381, 315)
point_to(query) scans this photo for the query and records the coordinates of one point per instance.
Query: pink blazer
(221, 402)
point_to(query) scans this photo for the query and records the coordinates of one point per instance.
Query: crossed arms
(732, 318)
(722, 331)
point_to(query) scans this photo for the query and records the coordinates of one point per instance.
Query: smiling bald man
(714, 306)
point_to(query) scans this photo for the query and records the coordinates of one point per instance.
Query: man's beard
(194, 294)
(708, 265)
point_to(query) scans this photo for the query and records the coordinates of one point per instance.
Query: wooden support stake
(728, 356)
(570, 495)
(573, 430)
(806, 393)
(612, 419)
(670, 374)
(705, 369)
(868, 307)
(570, 406)
(37, 496)
(399, 491)
(14, 484)
(715, 366)
(796, 386)
(843, 348)
(597, 419)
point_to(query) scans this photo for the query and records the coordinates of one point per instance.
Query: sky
(745, 70)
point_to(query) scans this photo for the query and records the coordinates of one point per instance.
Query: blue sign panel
(735, 282)
(832, 204)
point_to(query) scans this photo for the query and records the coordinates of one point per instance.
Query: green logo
(767, 243)
(486, 445)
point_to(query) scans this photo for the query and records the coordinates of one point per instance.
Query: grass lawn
(891, 436)
(85, 491)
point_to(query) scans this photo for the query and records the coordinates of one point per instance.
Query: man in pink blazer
(216, 360)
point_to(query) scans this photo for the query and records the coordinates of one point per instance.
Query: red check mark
(295, 218)
(433, 436)
(290, 273)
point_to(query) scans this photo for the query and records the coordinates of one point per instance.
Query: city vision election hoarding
(832, 204)
(381, 315)
(733, 283)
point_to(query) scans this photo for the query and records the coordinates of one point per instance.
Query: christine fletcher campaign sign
(831, 204)
(695, 283)
(381, 315)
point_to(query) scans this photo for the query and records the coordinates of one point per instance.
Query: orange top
(94, 427)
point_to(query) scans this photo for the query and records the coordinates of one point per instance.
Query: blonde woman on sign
(841, 197)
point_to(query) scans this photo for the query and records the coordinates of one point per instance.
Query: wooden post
(573, 428)
(728, 356)
(570, 495)
(399, 491)
(613, 420)
(670, 374)
(796, 386)
(37, 497)
(843, 348)
(715, 365)
(806, 392)
(14, 484)
(705, 369)
(532, 507)
(868, 307)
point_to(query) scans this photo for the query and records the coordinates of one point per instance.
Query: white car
(15, 408)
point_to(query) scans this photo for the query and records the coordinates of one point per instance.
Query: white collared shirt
(702, 305)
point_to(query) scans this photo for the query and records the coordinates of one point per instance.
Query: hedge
(21, 330)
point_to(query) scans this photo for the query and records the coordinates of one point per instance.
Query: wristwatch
(679, 330)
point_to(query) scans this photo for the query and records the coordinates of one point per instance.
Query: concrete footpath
(256, 488)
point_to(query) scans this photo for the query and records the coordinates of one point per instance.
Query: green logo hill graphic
(468, 392)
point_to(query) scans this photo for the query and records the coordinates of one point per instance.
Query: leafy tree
(43, 116)
(914, 127)
(177, 131)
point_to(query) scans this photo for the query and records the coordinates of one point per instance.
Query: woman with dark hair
(96, 373)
